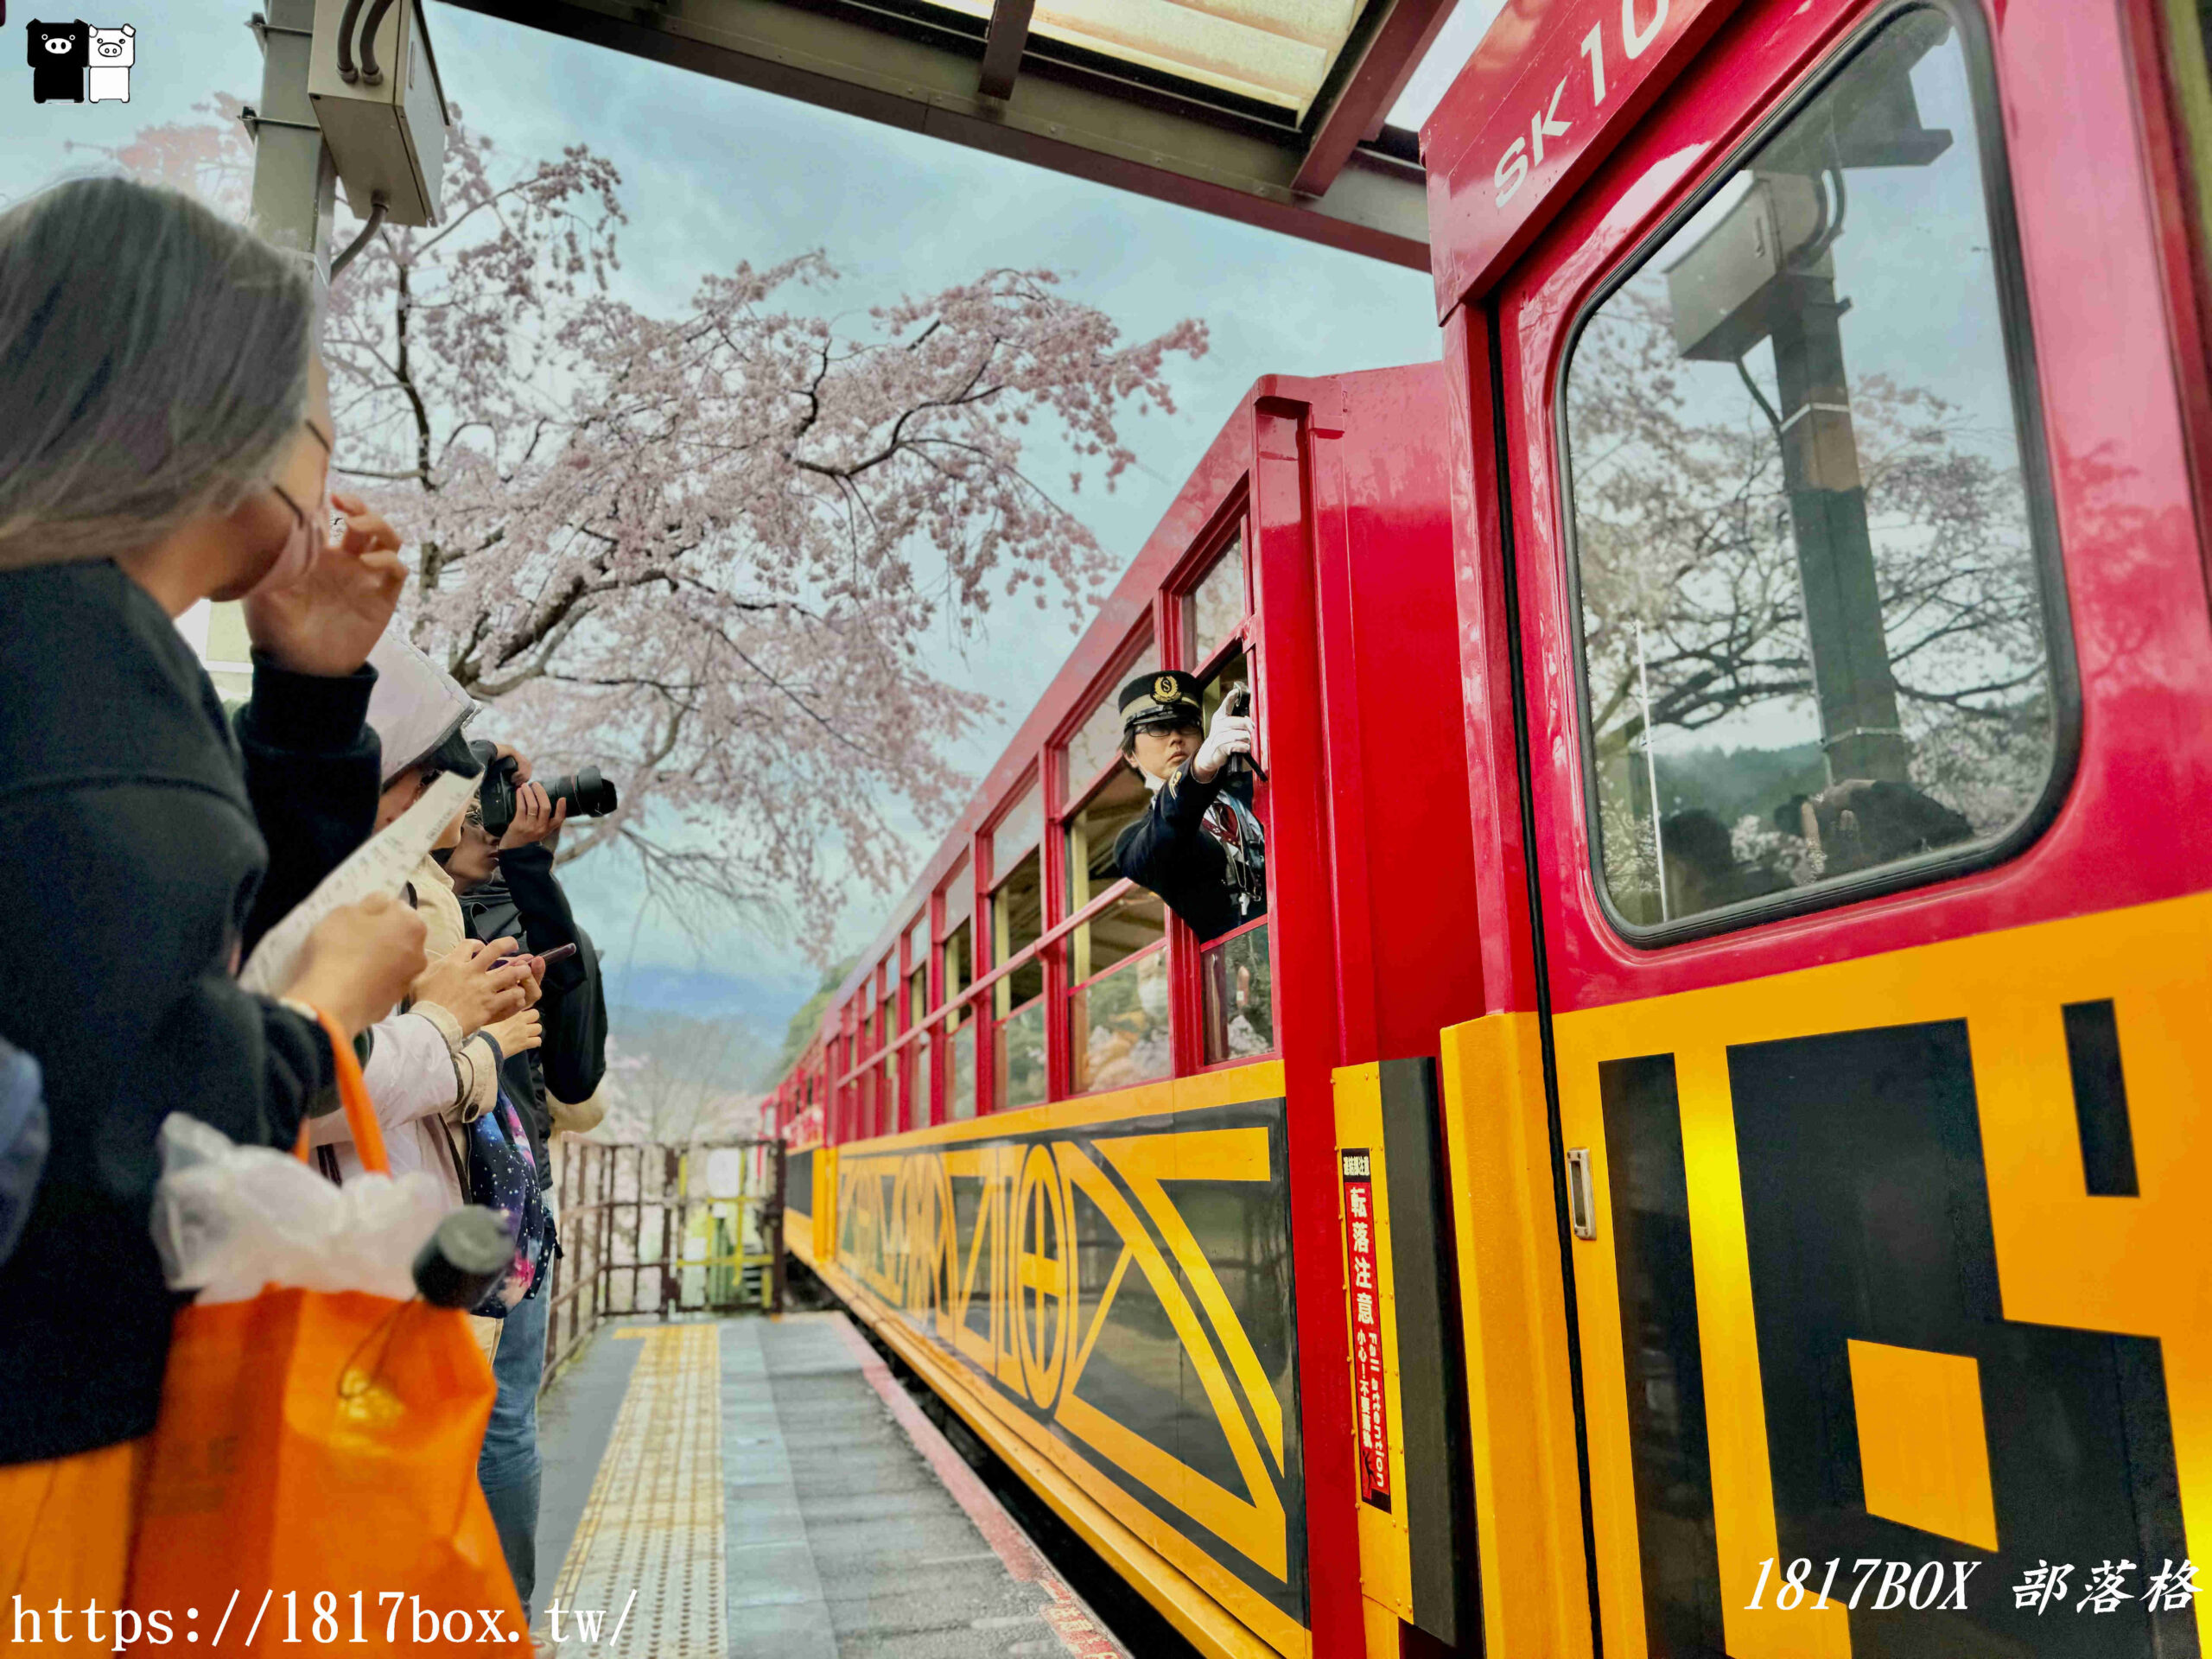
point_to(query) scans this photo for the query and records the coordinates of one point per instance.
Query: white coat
(423, 1079)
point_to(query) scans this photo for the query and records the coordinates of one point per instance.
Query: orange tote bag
(311, 1481)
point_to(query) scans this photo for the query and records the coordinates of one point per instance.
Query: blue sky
(714, 174)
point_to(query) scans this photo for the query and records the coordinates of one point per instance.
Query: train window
(959, 962)
(1017, 920)
(1091, 833)
(1020, 1077)
(918, 1058)
(887, 1028)
(960, 1073)
(959, 1026)
(1117, 1011)
(1238, 991)
(1018, 831)
(1808, 540)
(1214, 607)
(917, 945)
(1233, 970)
(1097, 741)
(1235, 674)
(1117, 1014)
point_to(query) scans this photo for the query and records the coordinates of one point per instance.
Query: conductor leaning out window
(1197, 846)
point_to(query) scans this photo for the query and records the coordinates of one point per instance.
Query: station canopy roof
(1273, 112)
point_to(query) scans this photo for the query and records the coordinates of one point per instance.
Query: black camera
(1240, 703)
(588, 794)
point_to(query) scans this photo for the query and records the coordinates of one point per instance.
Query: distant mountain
(726, 1053)
(1731, 783)
(707, 994)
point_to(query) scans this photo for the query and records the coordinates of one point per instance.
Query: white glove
(1230, 734)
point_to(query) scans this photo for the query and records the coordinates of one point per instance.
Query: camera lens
(587, 793)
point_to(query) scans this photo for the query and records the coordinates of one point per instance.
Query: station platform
(764, 1486)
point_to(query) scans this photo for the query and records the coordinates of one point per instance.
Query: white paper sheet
(381, 864)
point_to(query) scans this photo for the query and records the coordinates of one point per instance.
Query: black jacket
(1169, 851)
(525, 903)
(133, 874)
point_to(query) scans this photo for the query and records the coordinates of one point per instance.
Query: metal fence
(664, 1230)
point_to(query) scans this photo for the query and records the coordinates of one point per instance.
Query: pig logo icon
(113, 51)
(59, 55)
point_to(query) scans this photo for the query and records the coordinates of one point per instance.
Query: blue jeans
(508, 1466)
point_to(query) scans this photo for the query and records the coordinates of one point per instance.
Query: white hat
(416, 708)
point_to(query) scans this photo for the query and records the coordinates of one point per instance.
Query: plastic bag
(230, 1219)
(314, 1443)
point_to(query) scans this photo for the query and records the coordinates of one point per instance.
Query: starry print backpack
(499, 1172)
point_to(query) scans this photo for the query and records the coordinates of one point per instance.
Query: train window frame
(2008, 267)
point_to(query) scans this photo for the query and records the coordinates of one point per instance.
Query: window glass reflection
(1119, 1024)
(1239, 996)
(1017, 921)
(1022, 1057)
(1018, 831)
(959, 898)
(1216, 604)
(960, 1080)
(1098, 740)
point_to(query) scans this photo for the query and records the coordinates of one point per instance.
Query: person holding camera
(1198, 845)
(432, 1063)
(165, 435)
(503, 870)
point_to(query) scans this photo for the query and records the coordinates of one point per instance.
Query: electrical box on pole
(374, 84)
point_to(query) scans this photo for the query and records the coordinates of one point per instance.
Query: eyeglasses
(298, 511)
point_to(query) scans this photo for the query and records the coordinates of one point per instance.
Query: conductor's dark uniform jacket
(1179, 849)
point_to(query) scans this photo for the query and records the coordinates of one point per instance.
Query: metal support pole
(295, 179)
(776, 1231)
(1860, 733)
(671, 1189)
(1651, 773)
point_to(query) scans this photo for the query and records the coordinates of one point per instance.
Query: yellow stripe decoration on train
(1125, 1294)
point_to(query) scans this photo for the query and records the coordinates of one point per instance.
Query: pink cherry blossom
(714, 552)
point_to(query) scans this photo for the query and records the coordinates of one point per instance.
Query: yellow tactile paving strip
(648, 1552)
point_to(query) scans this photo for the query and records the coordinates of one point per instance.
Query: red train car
(1841, 711)
(1077, 1157)
(1739, 736)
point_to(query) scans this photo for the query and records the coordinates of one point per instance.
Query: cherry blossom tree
(705, 550)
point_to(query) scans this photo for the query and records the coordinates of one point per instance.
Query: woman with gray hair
(164, 437)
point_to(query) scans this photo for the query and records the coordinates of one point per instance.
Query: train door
(1867, 691)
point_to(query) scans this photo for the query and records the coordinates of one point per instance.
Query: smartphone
(559, 953)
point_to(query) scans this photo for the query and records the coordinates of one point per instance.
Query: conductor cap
(1165, 697)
